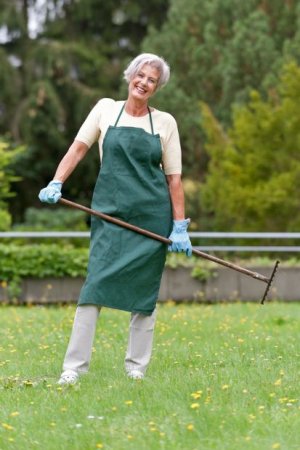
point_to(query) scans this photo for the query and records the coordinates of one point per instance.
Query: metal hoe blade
(270, 282)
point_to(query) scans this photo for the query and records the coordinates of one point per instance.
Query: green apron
(125, 268)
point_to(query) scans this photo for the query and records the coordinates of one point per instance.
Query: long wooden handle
(163, 239)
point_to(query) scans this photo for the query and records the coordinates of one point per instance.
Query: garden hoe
(167, 241)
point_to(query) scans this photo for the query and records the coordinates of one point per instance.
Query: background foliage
(51, 81)
(219, 52)
(7, 155)
(223, 50)
(253, 181)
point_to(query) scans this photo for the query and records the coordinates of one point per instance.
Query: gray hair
(153, 60)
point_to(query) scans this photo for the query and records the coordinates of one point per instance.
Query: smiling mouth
(140, 90)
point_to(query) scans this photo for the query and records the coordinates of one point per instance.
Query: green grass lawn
(222, 377)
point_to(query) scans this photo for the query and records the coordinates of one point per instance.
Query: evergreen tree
(218, 51)
(253, 181)
(7, 155)
(52, 80)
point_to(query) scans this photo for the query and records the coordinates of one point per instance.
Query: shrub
(52, 218)
(7, 155)
(41, 261)
(253, 181)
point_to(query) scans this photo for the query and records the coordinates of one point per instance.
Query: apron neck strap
(150, 117)
(151, 122)
(120, 113)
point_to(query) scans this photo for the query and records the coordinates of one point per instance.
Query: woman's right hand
(51, 193)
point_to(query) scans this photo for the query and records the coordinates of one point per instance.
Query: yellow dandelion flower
(114, 408)
(162, 434)
(195, 405)
(128, 402)
(276, 445)
(170, 303)
(6, 426)
(14, 414)
(129, 436)
(196, 395)
(190, 427)
(99, 445)
(277, 382)
(225, 387)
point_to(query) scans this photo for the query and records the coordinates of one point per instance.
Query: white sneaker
(135, 375)
(68, 377)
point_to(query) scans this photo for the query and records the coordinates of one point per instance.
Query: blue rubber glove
(51, 193)
(180, 238)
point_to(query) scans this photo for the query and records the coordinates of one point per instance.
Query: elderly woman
(140, 182)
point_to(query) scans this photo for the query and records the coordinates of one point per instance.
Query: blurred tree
(57, 59)
(253, 181)
(59, 56)
(7, 155)
(219, 50)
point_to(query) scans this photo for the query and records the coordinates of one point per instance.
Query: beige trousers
(79, 351)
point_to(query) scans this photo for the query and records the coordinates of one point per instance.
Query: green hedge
(40, 261)
(58, 260)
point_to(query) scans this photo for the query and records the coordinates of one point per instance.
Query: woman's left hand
(180, 238)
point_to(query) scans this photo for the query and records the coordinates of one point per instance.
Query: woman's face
(144, 83)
